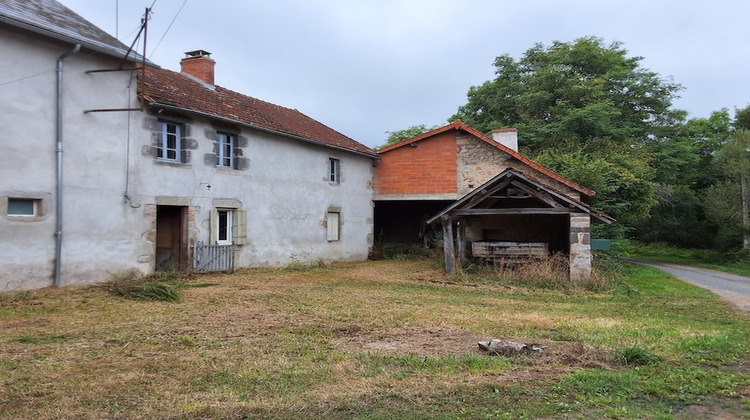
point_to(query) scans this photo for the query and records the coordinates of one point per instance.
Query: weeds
(162, 286)
(638, 356)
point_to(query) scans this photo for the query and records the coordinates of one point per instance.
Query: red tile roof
(458, 125)
(165, 87)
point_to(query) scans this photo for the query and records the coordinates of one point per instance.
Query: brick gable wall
(428, 168)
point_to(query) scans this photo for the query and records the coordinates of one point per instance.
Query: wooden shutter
(332, 224)
(213, 230)
(239, 227)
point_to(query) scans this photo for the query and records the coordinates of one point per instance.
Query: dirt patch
(436, 342)
(716, 409)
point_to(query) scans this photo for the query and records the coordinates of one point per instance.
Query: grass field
(382, 339)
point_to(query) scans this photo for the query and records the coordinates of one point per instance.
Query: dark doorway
(171, 248)
(404, 221)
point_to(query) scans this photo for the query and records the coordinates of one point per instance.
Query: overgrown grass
(385, 339)
(732, 261)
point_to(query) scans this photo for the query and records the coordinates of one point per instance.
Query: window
(333, 223)
(224, 227)
(333, 171)
(226, 150)
(228, 226)
(22, 207)
(169, 142)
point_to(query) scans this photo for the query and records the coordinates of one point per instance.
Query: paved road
(731, 287)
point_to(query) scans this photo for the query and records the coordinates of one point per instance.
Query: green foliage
(620, 176)
(587, 111)
(405, 134)
(723, 207)
(685, 170)
(637, 355)
(400, 251)
(742, 118)
(580, 91)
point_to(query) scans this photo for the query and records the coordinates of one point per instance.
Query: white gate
(210, 258)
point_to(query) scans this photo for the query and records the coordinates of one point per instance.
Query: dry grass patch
(373, 340)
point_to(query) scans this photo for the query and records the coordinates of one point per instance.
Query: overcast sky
(364, 67)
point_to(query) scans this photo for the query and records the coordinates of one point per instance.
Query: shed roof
(514, 175)
(459, 125)
(160, 87)
(52, 19)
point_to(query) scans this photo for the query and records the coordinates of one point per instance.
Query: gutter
(58, 152)
(373, 156)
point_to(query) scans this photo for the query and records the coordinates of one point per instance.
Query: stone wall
(580, 246)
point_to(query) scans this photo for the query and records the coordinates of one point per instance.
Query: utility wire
(27, 77)
(168, 28)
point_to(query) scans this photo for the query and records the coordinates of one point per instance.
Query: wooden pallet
(508, 253)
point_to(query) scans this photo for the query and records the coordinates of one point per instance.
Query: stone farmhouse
(111, 163)
(107, 168)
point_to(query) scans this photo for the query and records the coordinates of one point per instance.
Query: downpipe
(58, 153)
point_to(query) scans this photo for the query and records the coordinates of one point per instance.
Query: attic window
(333, 171)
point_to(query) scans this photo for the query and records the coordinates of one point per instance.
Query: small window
(333, 171)
(24, 207)
(169, 142)
(224, 227)
(228, 226)
(333, 224)
(227, 144)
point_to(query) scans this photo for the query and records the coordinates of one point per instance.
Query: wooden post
(461, 239)
(448, 252)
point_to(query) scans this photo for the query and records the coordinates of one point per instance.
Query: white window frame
(165, 148)
(224, 233)
(333, 226)
(227, 143)
(34, 207)
(235, 226)
(334, 171)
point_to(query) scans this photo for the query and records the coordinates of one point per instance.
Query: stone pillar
(580, 246)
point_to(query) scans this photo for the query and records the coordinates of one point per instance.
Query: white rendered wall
(98, 234)
(283, 187)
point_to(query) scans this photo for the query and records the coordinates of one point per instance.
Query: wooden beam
(481, 196)
(541, 196)
(461, 236)
(488, 212)
(448, 252)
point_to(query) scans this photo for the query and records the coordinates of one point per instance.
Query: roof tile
(165, 87)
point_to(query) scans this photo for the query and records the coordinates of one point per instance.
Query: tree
(581, 91)
(742, 118)
(405, 134)
(734, 159)
(581, 106)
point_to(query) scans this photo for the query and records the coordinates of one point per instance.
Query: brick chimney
(199, 64)
(508, 137)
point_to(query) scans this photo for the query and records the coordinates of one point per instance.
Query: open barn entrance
(404, 221)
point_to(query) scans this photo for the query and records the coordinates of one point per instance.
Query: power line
(27, 77)
(168, 27)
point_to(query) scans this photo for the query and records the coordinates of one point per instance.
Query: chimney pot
(199, 64)
(508, 137)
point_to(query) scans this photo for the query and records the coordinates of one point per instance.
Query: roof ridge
(460, 125)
